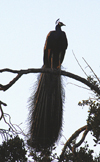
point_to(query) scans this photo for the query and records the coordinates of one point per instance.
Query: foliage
(13, 150)
(44, 156)
(95, 82)
(93, 119)
(83, 154)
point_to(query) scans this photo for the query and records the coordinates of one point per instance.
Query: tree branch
(81, 141)
(12, 127)
(2, 113)
(92, 70)
(45, 70)
(74, 135)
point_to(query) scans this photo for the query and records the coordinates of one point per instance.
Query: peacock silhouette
(46, 104)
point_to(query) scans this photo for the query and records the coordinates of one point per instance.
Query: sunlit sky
(24, 25)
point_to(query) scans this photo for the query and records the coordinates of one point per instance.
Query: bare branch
(5, 134)
(12, 127)
(81, 141)
(82, 80)
(78, 86)
(79, 64)
(92, 70)
(46, 70)
(7, 86)
(2, 113)
(74, 135)
(2, 103)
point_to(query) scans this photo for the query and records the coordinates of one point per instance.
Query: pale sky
(24, 25)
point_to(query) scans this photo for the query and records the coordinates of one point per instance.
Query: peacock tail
(46, 111)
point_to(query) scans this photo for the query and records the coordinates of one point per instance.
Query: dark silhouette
(46, 104)
(55, 46)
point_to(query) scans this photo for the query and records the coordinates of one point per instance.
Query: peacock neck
(58, 28)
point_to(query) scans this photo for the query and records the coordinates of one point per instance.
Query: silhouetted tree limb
(86, 129)
(81, 141)
(92, 70)
(2, 113)
(60, 72)
(13, 128)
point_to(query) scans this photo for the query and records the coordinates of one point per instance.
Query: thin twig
(12, 126)
(12, 129)
(78, 86)
(92, 70)
(79, 64)
(21, 131)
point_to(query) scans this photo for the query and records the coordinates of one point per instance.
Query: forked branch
(13, 128)
(86, 129)
(42, 70)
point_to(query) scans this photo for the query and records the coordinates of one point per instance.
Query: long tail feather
(46, 111)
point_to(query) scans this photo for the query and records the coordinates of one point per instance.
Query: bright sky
(24, 25)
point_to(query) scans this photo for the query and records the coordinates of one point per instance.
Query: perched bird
(55, 46)
(46, 104)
